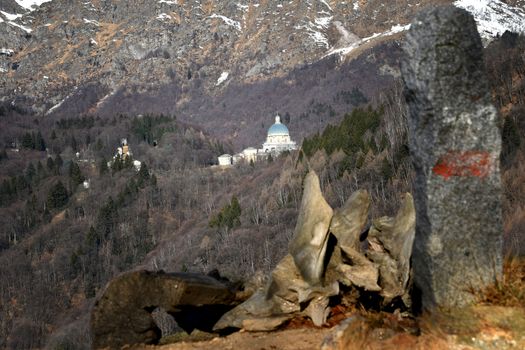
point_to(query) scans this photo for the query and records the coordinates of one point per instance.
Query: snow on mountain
(10, 16)
(228, 21)
(30, 4)
(222, 78)
(494, 17)
(343, 51)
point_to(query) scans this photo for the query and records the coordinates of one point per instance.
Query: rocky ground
(480, 327)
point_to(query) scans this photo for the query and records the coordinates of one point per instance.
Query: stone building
(278, 139)
(225, 160)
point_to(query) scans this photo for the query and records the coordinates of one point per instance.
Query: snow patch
(222, 78)
(343, 51)
(228, 21)
(55, 106)
(7, 52)
(26, 29)
(163, 16)
(356, 6)
(324, 2)
(103, 99)
(61, 102)
(494, 17)
(243, 7)
(31, 4)
(91, 21)
(168, 2)
(9, 16)
(323, 21)
(314, 30)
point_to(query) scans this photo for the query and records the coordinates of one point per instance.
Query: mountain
(77, 76)
(205, 61)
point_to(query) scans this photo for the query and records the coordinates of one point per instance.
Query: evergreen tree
(92, 238)
(75, 174)
(20, 183)
(128, 162)
(116, 165)
(53, 135)
(107, 219)
(73, 143)
(99, 146)
(30, 172)
(143, 176)
(40, 145)
(57, 196)
(235, 211)
(229, 216)
(28, 141)
(103, 166)
(58, 164)
(40, 171)
(6, 192)
(50, 163)
(3, 154)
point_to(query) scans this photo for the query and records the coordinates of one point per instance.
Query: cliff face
(221, 64)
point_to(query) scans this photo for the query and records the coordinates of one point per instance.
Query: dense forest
(73, 214)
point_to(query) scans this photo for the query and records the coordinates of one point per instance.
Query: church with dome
(278, 140)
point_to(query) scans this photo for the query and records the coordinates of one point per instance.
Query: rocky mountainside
(206, 61)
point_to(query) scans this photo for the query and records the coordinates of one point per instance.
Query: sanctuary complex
(278, 140)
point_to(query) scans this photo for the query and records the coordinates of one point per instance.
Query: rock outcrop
(327, 252)
(123, 313)
(455, 145)
(308, 245)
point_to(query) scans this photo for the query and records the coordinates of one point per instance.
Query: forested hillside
(61, 240)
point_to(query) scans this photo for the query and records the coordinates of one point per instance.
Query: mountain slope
(198, 54)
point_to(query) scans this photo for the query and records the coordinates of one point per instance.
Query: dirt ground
(292, 339)
(479, 327)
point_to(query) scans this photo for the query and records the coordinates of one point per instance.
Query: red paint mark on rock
(464, 164)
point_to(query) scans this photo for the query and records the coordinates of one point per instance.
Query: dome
(278, 128)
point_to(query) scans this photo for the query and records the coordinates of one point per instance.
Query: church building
(278, 139)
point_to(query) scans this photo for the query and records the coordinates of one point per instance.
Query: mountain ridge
(99, 51)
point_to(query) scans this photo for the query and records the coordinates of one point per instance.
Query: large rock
(280, 300)
(298, 278)
(391, 241)
(349, 221)
(123, 313)
(348, 264)
(308, 245)
(455, 146)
